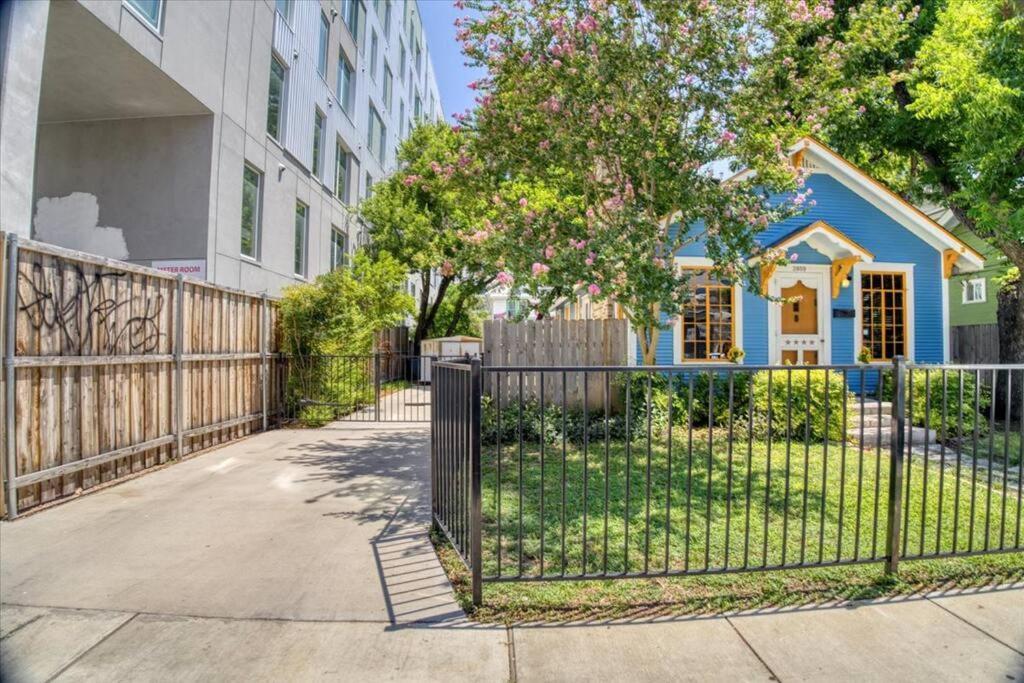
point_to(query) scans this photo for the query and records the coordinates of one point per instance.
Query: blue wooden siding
(889, 241)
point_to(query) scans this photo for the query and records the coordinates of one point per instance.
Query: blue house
(870, 273)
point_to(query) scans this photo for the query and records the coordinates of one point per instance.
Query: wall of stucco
(151, 179)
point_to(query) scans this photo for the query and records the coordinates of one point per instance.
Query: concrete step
(870, 407)
(871, 420)
(919, 435)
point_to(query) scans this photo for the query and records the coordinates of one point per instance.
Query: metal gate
(380, 387)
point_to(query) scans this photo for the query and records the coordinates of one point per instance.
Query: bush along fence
(112, 368)
(723, 468)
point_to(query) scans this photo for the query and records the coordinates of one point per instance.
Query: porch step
(919, 435)
(870, 407)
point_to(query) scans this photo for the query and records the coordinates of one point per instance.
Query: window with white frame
(252, 187)
(276, 98)
(301, 235)
(401, 60)
(325, 36)
(974, 291)
(707, 319)
(318, 144)
(401, 119)
(150, 11)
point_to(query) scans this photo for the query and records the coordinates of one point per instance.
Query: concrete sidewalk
(303, 554)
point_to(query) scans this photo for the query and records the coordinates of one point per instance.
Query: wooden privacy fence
(974, 343)
(112, 368)
(553, 342)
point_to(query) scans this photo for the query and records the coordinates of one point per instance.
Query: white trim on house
(821, 273)
(831, 163)
(945, 316)
(737, 312)
(908, 271)
(967, 284)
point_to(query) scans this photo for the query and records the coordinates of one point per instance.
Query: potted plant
(735, 355)
(864, 356)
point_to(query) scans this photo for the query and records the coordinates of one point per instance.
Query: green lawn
(664, 513)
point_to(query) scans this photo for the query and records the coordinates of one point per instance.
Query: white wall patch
(73, 222)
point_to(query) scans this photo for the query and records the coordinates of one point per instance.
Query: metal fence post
(376, 386)
(10, 322)
(476, 513)
(897, 444)
(263, 358)
(179, 342)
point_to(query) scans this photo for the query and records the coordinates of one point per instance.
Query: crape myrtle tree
(619, 107)
(927, 96)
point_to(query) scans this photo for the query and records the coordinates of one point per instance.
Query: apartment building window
(374, 44)
(301, 233)
(387, 18)
(150, 11)
(275, 99)
(401, 60)
(369, 186)
(284, 8)
(417, 111)
(401, 118)
(325, 36)
(376, 135)
(318, 144)
(350, 15)
(346, 83)
(339, 248)
(252, 185)
(342, 171)
(419, 57)
(388, 80)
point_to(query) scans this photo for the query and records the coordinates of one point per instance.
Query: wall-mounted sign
(189, 267)
(844, 313)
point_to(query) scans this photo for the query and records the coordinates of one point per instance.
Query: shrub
(804, 391)
(507, 424)
(918, 409)
(708, 387)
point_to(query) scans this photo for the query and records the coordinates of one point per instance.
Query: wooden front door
(802, 319)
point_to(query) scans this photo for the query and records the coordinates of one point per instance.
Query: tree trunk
(648, 337)
(1011, 330)
(425, 319)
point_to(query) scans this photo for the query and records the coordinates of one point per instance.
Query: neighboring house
(973, 297)
(230, 140)
(501, 302)
(870, 271)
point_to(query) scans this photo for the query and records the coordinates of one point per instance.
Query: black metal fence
(380, 387)
(654, 471)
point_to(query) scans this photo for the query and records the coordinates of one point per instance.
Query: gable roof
(825, 239)
(815, 156)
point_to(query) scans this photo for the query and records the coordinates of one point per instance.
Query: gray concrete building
(228, 139)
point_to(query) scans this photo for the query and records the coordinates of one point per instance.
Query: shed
(447, 348)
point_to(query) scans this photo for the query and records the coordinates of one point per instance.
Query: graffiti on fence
(92, 312)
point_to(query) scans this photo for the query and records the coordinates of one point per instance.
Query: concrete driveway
(303, 555)
(290, 555)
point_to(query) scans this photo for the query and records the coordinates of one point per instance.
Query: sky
(452, 74)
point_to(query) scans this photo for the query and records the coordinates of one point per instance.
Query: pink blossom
(545, 144)
(586, 24)
(523, 202)
(539, 269)
(410, 180)
(549, 252)
(504, 278)
(556, 63)
(861, 109)
(594, 290)
(447, 269)
(728, 136)
(794, 257)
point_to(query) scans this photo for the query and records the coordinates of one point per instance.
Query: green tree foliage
(430, 217)
(618, 107)
(461, 313)
(339, 312)
(926, 96)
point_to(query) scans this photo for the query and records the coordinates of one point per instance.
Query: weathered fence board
(553, 342)
(94, 364)
(974, 343)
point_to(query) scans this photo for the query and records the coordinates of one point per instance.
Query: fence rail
(111, 368)
(715, 469)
